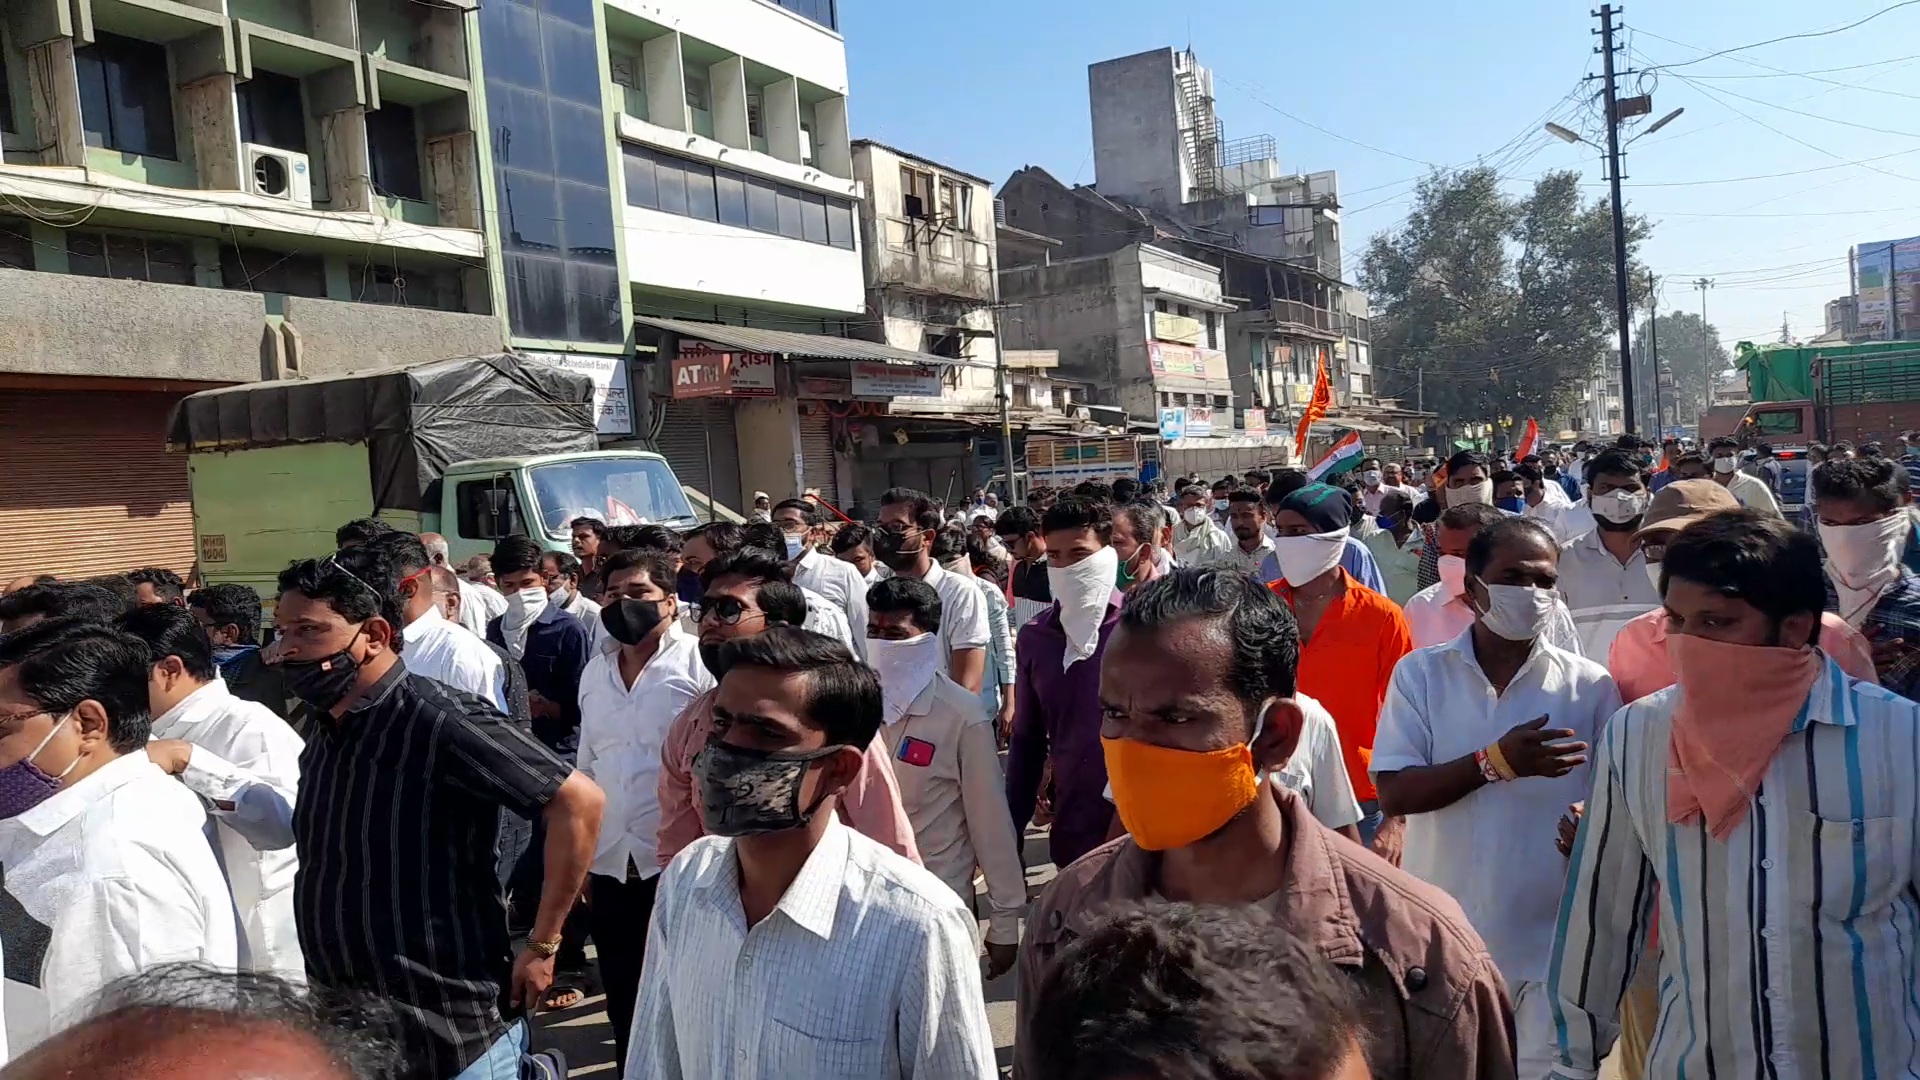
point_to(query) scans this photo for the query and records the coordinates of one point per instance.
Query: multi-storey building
(202, 192)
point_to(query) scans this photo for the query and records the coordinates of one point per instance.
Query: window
(1182, 309)
(1777, 422)
(271, 112)
(966, 208)
(916, 193)
(6, 99)
(401, 287)
(949, 201)
(699, 104)
(263, 270)
(16, 244)
(675, 185)
(820, 11)
(393, 146)
(126, 96)
(756, 116)
(487, 509)
(133, 258)
(1160, 306)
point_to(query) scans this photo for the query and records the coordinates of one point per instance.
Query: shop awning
(795, 346)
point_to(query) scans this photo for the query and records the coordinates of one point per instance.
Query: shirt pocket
(1862, 864)
(804, 1041)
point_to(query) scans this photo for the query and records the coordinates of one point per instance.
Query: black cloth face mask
(325, 682)
(630, 620)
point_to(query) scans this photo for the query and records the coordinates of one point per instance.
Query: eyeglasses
(899, 528)
(726, 610)
(333, 563)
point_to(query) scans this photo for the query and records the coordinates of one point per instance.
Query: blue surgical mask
(1513, 504)
(1387, 522)
(795, 542)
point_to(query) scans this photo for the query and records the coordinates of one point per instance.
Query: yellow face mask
(1171, 798)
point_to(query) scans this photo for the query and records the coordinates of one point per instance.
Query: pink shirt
(1638, 659)
(871, 806)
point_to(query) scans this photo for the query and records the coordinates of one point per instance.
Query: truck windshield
(619, 491)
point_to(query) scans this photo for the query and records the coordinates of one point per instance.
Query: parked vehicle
(1853, 393)
(473, 448)
(1063, 461)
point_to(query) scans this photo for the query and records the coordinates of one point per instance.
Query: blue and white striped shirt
(1790, 950)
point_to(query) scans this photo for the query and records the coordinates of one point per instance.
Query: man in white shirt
(443, 651)
(1753, 492)
(947, 761)
(1247, 516)
(1439, 613)
(1197, 541)
(561, 572)
(835, 579)
(108, 869)
(786, 944)
(1482, 745)
(217, 743)
(479, 603)
(1377, 481)
(1603, 573)
(629, 696)
(904, 542)
(720, 538)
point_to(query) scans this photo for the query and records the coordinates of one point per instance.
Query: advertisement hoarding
(1876, 266)
(612, 412)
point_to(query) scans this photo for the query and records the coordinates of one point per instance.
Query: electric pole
(1653, 356)
(1703, 284)
(1607, 49)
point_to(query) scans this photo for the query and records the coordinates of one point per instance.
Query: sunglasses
(726, 610)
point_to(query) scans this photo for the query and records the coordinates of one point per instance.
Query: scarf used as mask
(1083, 592)
(1863, 560)
(523, 608)
(1737, 704)
(905, 668)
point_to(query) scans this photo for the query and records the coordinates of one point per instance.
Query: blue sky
(997, 84)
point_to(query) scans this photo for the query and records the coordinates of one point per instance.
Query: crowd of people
(1451, 769)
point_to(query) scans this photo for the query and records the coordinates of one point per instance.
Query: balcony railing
(1301, 314)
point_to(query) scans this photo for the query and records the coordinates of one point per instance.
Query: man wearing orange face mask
(1764, 805)
(1197, 698)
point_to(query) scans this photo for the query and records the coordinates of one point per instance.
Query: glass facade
(552, 182)
(695, 189)
(820, 11)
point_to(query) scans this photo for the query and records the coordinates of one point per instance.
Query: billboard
(1886, 274)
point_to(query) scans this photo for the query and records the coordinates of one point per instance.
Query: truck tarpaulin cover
(415, 420)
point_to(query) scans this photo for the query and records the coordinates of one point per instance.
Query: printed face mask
(24, 785)
(325, 682)
(1620, 507)
(750, 792)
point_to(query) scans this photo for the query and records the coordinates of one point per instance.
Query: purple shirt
(1057, 713)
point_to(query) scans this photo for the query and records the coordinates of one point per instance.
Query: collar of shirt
(669, 655)
(809, 560)
(51, 815)
(812, 898)
(1589, 543)
(1459, 650)
(429, 621)
(1260, 551)
(191, 710)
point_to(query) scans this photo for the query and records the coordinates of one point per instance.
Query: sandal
(560, 998)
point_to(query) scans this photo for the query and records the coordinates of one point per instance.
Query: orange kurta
(1346, 666)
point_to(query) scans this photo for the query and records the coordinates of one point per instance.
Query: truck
(1801, 395)
(1066, 460)
(475, 448)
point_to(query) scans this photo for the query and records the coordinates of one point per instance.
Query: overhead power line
(1789, 37)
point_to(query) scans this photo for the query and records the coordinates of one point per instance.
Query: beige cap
(1684, 502)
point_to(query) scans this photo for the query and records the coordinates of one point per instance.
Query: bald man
(478, 603)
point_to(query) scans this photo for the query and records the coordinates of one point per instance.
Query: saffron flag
(1340, 457)
(1529, 441)
(1316, 408)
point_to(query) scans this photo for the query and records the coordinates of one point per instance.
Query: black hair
(1363, 462)
(1765, 450)
(358, 584)
(360, 531)
(1258, 625)
(1016, 521)
(1723, 442)
(1426, 511)
(918, 505)
(1398, 498)
(1125, 489)
(1224, 482)
(564, 562)
(1079, 512)
(232, 605)
(143, 1017)
(1465, 458)
(1284, 483)
(1095, 490)
(852, 535)
(1614, 462)
(1144, 518)
(1817, 448)
(949, 542)
(1691, 457)
(911, 596)
(657, 564)
(516, 555)
(1755, 558)
(1475, 516)
(1192, 992)
(842, 696)
(1504, 476)
(1878, 482)
(1530, 474)
(763, 534)
(1508, 529)
(404, 550)
(62, 662)
(654, 537)
(1841, 447)
(809, 513)
(171, 630)
(166, 584)
(777, 595)
(592, 524)
(721, 536)
(1256, 477)
(987, 564)
(82, 600)
(1243, 495)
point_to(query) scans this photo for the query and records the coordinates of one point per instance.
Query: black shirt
(1030, 582)
(397, 895)
(556, 653)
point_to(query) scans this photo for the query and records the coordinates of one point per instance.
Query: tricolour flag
(1529, 440)
(1340, 457)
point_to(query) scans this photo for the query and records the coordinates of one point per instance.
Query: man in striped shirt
(1765, 807)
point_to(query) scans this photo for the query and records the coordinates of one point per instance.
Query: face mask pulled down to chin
(24, 785)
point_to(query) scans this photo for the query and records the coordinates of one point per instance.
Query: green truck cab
(473, 448)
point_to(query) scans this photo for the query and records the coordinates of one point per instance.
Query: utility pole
(1703, 284)
(1653, 356)
(1001, 395)
(1893, 298)
(1607, 49)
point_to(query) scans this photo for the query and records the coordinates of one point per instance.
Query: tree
(1495, 307)
(1690, 349)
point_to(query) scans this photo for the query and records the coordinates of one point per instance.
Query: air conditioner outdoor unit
(278, 174)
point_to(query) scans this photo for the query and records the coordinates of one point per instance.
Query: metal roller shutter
(685, 430)
(816, 452)
(87, 486)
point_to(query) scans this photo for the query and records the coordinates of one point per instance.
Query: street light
(1568, 135)
(1662, 122)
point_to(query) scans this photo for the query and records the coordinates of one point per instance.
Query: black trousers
(619, 913)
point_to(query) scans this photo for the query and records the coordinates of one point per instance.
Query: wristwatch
(544, 949)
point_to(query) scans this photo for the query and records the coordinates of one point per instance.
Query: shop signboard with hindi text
(612, 412)
(700, 370)
(1199, 421)
(872, 379)
(1167, 358)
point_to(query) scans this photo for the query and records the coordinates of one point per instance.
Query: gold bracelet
(1499, 760)
(544, 949)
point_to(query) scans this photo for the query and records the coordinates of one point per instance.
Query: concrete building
(201, 193)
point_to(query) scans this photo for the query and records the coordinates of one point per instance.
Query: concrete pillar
(452, 182)
(56, 103)
(213, 128)
(728, 80)
(666, 82)
(832, 144)
(343, 134)
(780, 104)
